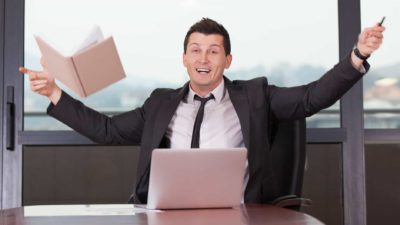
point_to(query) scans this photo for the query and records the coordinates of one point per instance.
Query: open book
(94, 66)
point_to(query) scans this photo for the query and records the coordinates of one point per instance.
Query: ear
(228, 61)
(184, 61)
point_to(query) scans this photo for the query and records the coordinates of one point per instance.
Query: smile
(203, 70)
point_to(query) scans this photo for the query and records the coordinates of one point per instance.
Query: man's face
(205, 61)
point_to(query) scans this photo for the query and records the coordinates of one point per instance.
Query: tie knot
(203, 100)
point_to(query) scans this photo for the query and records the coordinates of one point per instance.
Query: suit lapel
(239, 101)
(165, 114)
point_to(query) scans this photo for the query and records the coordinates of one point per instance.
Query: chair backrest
(288, 150)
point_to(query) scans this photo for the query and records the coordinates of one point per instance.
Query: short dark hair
(208, 26)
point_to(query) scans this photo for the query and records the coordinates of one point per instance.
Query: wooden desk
(246, 214)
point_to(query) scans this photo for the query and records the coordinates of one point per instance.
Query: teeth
(203, 70)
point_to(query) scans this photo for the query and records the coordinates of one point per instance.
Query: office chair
(288, 151)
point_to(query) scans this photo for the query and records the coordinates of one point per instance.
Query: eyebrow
(216, 45)
(213, 45)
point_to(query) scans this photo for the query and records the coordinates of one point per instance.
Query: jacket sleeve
(125, 128)
(306, 100)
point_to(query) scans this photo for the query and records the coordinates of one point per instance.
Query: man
(237, 113)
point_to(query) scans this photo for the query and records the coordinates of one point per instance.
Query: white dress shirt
(220, 127)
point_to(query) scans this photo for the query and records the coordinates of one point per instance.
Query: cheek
(189, 62)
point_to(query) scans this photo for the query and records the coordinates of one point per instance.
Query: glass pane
(381, 85)
(286, 44)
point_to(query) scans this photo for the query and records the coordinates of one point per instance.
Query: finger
(376, 35)
(367, 30)
(31, 73)
(42, 75)
(38, 82)
(27, 71)
(43, 92)
(23, 70)
(374, 39)
(373, 31)
(373, 46)
(365, 34)
(379, 28)
(38, 88)
(376, 32)
(36, 75)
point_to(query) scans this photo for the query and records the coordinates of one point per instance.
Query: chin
(202, 79)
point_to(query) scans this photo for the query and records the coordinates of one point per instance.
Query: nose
(204, 57)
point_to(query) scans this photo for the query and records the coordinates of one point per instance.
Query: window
(382, 84)
(269, 38)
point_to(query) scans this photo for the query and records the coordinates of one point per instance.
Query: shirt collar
(218, 92)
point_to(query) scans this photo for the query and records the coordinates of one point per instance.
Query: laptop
(196, 178)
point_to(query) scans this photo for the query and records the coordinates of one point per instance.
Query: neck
(203, 91)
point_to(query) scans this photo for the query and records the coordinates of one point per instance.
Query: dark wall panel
(383, 183)
(78, 175)
(323, 182)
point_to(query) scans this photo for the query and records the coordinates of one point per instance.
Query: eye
(214, 51)
(195, 50)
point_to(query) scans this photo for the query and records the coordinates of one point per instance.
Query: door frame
(12, 25)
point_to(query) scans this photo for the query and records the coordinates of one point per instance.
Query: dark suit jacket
(257, 104)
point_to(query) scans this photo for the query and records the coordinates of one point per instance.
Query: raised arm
(306, 100)
(125, 128)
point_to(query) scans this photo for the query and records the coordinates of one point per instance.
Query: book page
(95, 36)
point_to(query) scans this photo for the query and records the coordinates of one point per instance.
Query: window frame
(351, 134)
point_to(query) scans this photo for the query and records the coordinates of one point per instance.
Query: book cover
(95, 65)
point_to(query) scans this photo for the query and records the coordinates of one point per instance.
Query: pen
(383, 19)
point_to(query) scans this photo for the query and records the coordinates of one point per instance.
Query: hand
(43, 83)
(370, 39)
